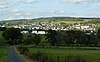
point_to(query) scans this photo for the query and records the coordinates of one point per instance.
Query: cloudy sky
(29, 9)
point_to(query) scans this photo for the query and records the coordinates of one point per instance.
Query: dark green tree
(2, 28)
(80, 37)
(98, 33)
(12, 35)
(51, 37)
(37, 39)
(69, 37)
(94, 39)
(29, 39)
(43, 42)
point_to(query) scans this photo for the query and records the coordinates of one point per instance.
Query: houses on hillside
(46, 26)
(34, 32)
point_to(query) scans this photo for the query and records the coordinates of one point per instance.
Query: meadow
(88, 55)
(2, 41)
(3, 49)
(58, 22)
(3, 54)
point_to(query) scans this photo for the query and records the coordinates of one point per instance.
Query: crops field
(88, 55)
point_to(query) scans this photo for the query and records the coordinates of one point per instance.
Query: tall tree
(51, 37)
(37, 39)
(29, 39)
(98, 33)
(69, 38)
(13, 35)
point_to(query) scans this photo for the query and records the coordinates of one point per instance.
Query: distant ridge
(56, 19)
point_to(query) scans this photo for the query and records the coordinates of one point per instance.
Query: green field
(2, 41)
(3, 54)
(88, 55)
(3, 49)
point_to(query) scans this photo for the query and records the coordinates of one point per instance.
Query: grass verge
(3, 54)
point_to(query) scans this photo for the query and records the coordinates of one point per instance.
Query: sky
(29, 9)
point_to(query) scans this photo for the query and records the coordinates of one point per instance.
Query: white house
(38, 32)
(24, 32)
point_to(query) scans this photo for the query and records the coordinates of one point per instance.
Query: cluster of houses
(45, 26)
(34, 32)
(37, 25)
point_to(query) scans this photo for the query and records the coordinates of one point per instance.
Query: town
(34, 26)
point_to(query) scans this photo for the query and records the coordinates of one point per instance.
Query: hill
(51, 19)
(58, 20)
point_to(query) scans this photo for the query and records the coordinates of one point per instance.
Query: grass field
(3, 54)
(58, 22)
(3, 49)
(2, 41)
(88, 55)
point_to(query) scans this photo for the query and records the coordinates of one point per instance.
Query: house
(24, 32)
(38, 32)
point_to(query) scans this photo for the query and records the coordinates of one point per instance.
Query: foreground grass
(3, 49)
(2, 40)
(88, 55)
(3, 54)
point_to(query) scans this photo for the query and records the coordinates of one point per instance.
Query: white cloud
(29, 13)
(3, 9)
(21, 14)
(3, 5)
(62, 11)
(27, 1)
(9, 18)
(52, 11)
(18, 14)
(57, 11)
(80, 1)
(16, 10)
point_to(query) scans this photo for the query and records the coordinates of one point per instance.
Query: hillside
(57, 20)
(52, 19)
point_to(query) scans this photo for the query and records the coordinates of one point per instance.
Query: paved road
(14, 56)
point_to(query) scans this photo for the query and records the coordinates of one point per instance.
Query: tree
(43, 42)
(69, 37)
(13, 35)
(2, 28)
(80, 37)
(98, 33)
(51, 37)
(37, 39)
(29, 39)
(61, 38)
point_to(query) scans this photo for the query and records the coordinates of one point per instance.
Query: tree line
(52, 38)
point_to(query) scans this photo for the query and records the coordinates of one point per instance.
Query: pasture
(2, 41)
(59, 22)
(89, 55)
(3, 54)
(3, 49)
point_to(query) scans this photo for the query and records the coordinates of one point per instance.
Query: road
(14, 56)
